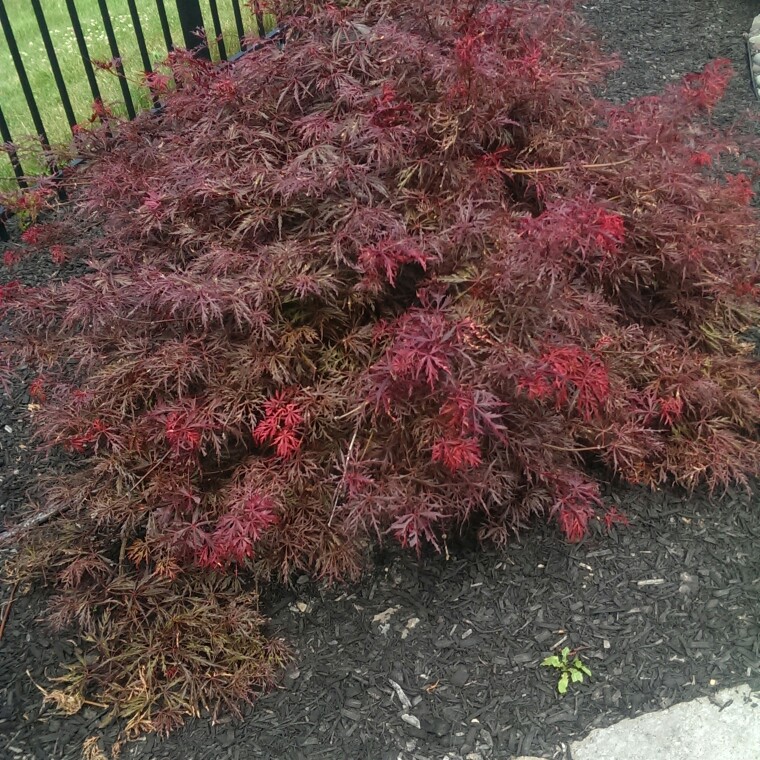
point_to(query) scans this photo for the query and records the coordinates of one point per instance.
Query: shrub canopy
(405, 274)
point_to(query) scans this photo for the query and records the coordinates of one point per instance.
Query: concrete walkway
(725, 726)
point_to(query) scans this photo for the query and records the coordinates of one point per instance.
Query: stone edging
(753, 46)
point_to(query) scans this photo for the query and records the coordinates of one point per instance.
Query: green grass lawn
(38, 69)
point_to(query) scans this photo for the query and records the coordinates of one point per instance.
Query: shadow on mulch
(665, 610)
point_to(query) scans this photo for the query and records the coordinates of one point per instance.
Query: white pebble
(386, 615)
(8, 429)
(412, 720)
(406, 703)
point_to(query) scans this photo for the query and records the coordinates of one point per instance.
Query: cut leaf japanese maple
(403, 276)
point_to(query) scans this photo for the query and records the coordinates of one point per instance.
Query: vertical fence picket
(26, 87)
(68, 109)
(137, 26)
(217, 28)
(114, 47)
(191, 19)
(84, 54)
(238, 22)
(259, 19)
(165, 28)
(5, 134)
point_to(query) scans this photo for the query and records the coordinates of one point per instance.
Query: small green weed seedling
(570, 672)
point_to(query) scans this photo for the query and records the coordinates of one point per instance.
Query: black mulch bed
(662, 611)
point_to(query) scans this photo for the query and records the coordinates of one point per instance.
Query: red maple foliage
(279, 425)
(403, 275)
(37, 389)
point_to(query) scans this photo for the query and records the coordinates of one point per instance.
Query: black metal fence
(191, 21)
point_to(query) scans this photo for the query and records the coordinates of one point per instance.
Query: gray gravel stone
(724, 726)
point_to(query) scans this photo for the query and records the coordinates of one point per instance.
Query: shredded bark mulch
(441, 656)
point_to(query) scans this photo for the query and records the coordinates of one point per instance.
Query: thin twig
(41, 517)
(150, 471)
(560, 168)
(352, 411)
(573, 450)
(339, 487)
(122, 550)
(36, 519)
(7, 610)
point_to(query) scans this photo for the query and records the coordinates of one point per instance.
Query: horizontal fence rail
(221, 35)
